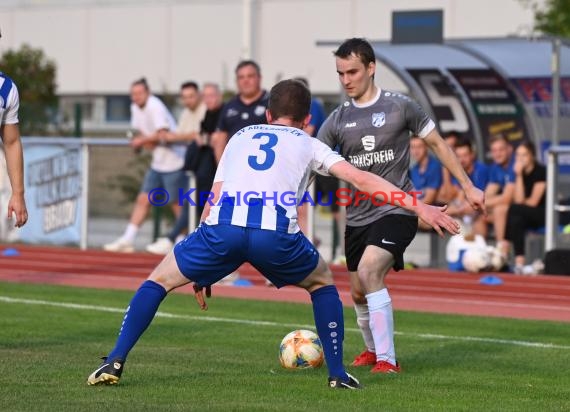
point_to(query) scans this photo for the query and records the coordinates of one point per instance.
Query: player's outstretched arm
(15, 162)
(474, 196)
(386, 192)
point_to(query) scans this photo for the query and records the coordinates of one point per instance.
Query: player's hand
(476, 199)
(17, 205)
(436, 217)
(199, 295)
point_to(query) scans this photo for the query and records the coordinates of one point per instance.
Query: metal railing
(553, 208)
(85, 143)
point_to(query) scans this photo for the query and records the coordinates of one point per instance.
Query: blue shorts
(211, 253)
(170, 181)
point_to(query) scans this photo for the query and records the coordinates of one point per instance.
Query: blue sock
(327, 309)
(138, 316)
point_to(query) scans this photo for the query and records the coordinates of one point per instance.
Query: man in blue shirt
(426, 174)
(479, 175)
(500, 190)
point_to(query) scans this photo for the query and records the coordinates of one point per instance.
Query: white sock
(130, 233)
(363, 321)
(382, 325)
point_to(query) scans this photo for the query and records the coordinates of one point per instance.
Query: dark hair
(141, 82)
(190, 85)
(453, 133)
(464, 142)
(529, 146)
(499, 137)
(359, 47)
(289, 98)
(251, 63)
(303, 80)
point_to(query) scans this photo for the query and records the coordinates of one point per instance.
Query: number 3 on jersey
(268, 157)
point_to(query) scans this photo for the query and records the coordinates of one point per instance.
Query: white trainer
(119, 245)
(162, 246)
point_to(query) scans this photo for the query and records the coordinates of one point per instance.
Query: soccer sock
(327, 310)
(138, 316)
(382, 325)
(363, 321)
(130, 232)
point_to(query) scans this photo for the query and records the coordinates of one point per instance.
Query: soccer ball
(475, 259)
(301, 349)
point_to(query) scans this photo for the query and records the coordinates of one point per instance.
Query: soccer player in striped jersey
(260, 180)
(10, 134)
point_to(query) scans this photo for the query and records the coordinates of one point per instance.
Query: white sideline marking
(167, 315)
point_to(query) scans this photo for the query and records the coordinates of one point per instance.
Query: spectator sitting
(447, 191)
(528, 208)
(478, 173)
(426, 174)
(500, 189)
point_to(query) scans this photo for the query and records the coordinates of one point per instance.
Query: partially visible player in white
(10, 134)
(261, 178)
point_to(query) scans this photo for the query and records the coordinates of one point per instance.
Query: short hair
(359, 47)
(464, 142)
(289, 98)
(213, 85)
(251, 63)
(189, 85)
(529, 146)
(141, 82)
(499, 137)
(303, 80)
(453, 133)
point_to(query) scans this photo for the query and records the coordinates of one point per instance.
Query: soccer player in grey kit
(373, 131)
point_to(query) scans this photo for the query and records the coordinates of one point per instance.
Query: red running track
(423, 290)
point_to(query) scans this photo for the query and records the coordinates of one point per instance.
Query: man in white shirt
(10, 134)
(152, 121)
(189, 130)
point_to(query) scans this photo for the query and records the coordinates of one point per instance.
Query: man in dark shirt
(245, 109)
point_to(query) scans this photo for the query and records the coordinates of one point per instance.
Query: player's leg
(140, 312)
(355, 244)
(372, 270)
(290, 259)
(204, 257)
(329, 321)
(386, 241)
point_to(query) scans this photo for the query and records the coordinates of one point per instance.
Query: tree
(34, 74)
(551, 16)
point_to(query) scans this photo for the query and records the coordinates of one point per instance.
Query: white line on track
(7, 299)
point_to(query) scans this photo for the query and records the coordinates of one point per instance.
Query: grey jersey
(375, 137)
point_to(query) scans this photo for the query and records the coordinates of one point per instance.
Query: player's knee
(358, 296)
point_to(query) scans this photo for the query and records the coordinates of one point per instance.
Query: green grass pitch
(51, 337)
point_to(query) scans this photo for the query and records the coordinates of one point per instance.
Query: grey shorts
(169, 181)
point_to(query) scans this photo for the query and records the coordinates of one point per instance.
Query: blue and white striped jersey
(265, 170)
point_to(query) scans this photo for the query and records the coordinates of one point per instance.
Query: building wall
(100, 47)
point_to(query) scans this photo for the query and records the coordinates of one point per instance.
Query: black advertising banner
(447, 106)
(496, 107)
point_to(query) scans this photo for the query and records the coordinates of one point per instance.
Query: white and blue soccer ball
(301, 349)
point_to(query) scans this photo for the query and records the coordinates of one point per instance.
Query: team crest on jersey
(378, 119)
(259, 110)
(369, 142)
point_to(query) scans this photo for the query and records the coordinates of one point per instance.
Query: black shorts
(326, 187)
(392, 232)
